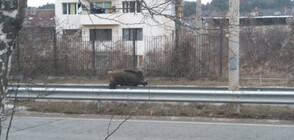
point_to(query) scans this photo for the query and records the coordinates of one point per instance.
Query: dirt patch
(156, 109)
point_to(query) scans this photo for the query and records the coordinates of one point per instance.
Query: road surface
(52, 128)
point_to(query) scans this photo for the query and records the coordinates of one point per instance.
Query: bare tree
(11, 18)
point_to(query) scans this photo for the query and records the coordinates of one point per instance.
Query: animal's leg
(111, 86)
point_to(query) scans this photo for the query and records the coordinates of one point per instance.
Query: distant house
(38, 31)
(36, 41)
(39, 18)
(39, 24)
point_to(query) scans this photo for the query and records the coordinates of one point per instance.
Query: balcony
(99, 19)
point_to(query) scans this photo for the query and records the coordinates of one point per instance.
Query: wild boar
(125, 78)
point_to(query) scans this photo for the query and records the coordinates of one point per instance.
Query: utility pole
(198, 17)
(199, 31)
(179, 7)
(234, 13)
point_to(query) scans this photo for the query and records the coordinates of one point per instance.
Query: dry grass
(156, 109)
(255, 82)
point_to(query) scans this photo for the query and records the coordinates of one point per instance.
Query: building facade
(107, 20)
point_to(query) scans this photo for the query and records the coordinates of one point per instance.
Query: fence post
(55, 51)
(221, 51)
(93, 57)
(134, 48)
(18, 56)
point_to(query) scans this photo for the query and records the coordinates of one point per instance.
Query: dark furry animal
(125, 78)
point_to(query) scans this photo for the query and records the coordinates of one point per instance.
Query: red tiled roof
(40, 18)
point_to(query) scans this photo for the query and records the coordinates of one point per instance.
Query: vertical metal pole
(18, 55)
(221, 51)
(93, 57)
(134, 48)
(18, 62)
(234, 13)
(55, 51)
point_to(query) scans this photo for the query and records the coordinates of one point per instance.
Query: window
(128, 33)
(101, 34)
(125, 5)
(138, 7)
(101, 8)
(70, 8)
(131, 7)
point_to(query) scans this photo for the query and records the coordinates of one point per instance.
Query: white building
(108, 19)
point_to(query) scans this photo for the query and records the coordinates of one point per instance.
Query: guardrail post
(99, 104)
(238, 108)
(260, 80)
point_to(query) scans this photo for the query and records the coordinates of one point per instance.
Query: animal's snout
(144, 83)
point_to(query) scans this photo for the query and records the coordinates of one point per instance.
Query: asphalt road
(46, 128)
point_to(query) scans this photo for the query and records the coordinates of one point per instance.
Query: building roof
(40, 18)
(258, 20)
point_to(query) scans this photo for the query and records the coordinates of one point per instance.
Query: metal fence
(196, 56)
(205, 57)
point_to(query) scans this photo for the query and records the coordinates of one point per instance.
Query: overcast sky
(36, 3)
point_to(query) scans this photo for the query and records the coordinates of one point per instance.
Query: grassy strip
(158, 81)
(156, 109)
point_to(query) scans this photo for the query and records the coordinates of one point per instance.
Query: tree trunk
(12, 13)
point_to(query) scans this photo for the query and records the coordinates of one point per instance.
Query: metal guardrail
(162, 94)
